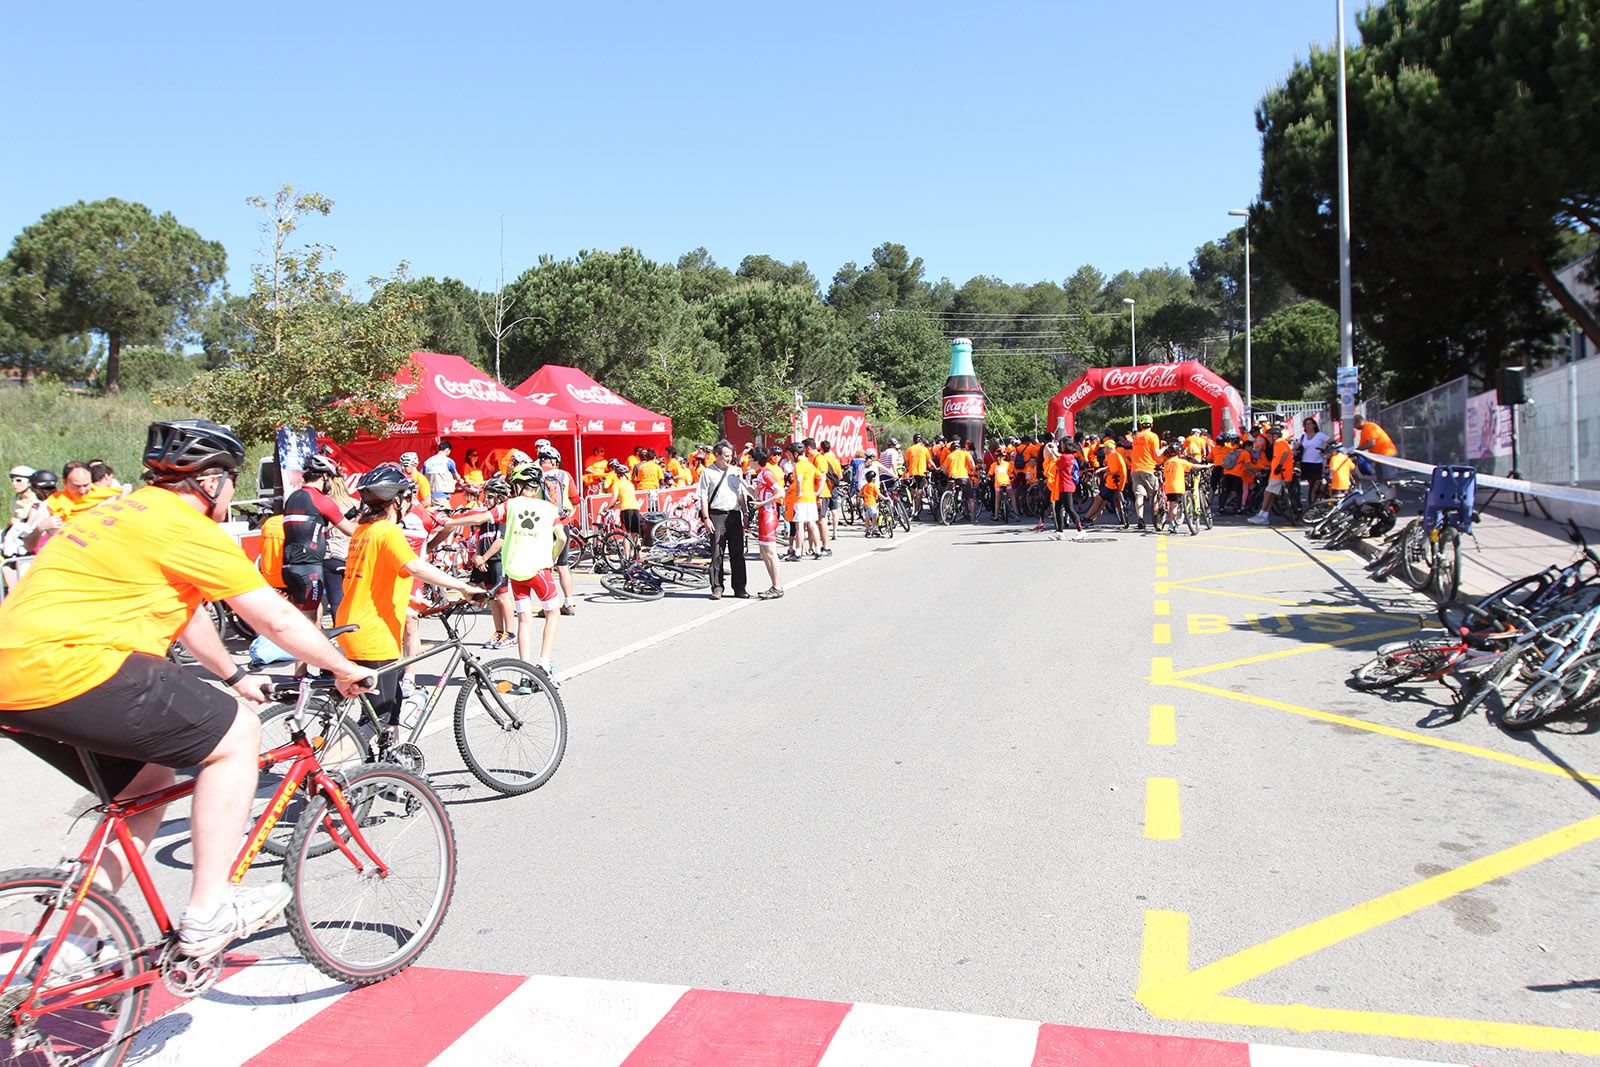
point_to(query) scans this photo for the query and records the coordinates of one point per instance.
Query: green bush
(45, 427)
(146, 369)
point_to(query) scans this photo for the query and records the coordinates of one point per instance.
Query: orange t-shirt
(958, 464)
(917, 460)
(1173, 475)
(1340, 468)
(377, 590)
(1145, 446)
(64, 505)
(1000, 471)
(1374, 439)
(1116, 476)
(675, 472)
(648, 476)
(806, 477)
(122, 580)
(1282, 460)
(826, 463)
(1050, 463)
(869, 495)
(270, 561)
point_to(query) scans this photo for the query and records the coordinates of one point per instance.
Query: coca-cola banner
(842, 424)
(1227, 410)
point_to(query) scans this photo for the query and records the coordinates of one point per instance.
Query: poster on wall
(1488, 427)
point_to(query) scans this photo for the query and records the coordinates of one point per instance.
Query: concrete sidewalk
(1504, 546)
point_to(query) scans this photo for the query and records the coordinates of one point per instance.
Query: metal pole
(1346, 324)
(1249, 401)
(1133, 352)
(1572, 418)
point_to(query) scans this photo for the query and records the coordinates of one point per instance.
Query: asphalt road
(1118, 783)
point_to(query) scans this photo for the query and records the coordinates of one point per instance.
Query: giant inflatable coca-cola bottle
(963, 397)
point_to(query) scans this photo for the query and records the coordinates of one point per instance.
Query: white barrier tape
(1570, 494)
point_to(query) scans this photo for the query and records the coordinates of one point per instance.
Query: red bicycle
(371, 866)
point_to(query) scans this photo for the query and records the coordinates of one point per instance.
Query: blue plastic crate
(1453, 489)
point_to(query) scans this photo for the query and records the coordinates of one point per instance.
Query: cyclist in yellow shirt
(958, 465)
(917, 459)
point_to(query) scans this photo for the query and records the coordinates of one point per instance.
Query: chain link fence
(1430, 427)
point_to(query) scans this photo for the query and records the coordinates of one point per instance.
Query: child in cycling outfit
(378, 582)
(532, 541)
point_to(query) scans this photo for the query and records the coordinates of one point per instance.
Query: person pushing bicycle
(83, 643)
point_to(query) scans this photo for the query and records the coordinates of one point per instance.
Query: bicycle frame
(113, 827)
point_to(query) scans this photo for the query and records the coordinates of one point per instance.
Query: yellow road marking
(1161, 557)
(1299, 650)
(1242, 596)
(1163, 724)
(1161, 821)
(1273, 552)
(1163, 607)
(1161, 633)
(1161, 664)
(1164, 990)
(1207, 538)
(1251, 570)
(1161, 572)
(1161, 588)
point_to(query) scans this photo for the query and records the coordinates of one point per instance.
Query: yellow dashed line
(1161, 633)
(1163, 607)
(1161, 557)
(1161, 820)
(1163, 724)
(1161, 572)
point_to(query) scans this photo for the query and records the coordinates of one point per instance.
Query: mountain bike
(510, 723)
(1197, 504)
(371, 867)
(635, 580)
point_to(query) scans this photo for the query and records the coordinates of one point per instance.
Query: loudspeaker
(1511, 386)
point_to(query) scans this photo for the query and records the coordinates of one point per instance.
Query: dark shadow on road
(1566, 987)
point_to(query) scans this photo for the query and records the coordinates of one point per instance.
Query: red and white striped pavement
(277, 1011)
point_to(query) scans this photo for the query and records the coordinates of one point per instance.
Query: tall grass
(44, 426)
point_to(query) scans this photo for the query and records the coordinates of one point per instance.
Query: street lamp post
(1244, 213)
(1133, 352)
(1346, 325)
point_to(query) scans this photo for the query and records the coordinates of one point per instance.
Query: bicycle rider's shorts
(767, 526)
(490, 576)
(1275, 485)
(542, 587)
(303, 582)
(1109, 495)
(149, 711)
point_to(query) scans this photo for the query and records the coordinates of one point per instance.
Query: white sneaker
(245, 911)
(1080, 536)
(1055, 536)
(1260, 518)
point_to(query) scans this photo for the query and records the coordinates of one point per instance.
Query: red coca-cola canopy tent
(450, 399)
(1227, 407)
(590, 415)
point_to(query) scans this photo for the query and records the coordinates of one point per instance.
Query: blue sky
(1014, 139)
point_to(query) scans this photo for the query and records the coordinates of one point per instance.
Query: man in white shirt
(721, 493)
(440, 470)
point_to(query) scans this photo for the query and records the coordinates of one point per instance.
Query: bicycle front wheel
(1395, 664)
(1574, 689)
(1415, 563)
(97, 1033)
(1447, 564)
(351, 919)
(513, 744)
(631, 588)
(337, 742)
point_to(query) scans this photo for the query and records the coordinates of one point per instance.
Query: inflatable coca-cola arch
(1227, 408)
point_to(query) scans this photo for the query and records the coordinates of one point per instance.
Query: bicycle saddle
(335, 632)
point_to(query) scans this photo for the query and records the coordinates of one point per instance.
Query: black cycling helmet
(383, 485)
(524, 474)
(497, 486)
(178, 450)
(321, 466)
(44, 482)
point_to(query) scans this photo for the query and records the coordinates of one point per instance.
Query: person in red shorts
(768, 497)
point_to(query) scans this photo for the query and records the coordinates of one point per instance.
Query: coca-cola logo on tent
(1154, 377)
(595, 425)
(597, 394)
(476, 389)
(1074, 398)
(1212, 387)
(627, 427)
(407, 427)
(964, 407)
(511, 426)
(846, 430)
(560, 426)
(463, 426)
(542, 399)
(658, 427)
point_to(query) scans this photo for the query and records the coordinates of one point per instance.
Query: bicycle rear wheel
(1404, 661)
(516, 749)
(96, 1034)
(349, 921)
(337, 741)
(1314, 514)
(1415, 563)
